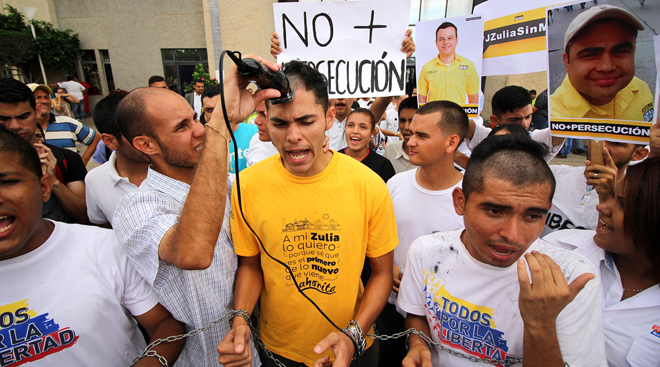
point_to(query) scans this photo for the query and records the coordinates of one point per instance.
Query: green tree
(59, 49)
(202, 74)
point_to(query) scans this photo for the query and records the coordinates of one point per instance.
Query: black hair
(197, 81)
(209, 92)
(532, 91)
(512, 158)
(410, 102)
(41, 130)
(445, 25)
(453, 119)
(154, 79)
(511, 128)
(12, 91)
(304, 77)
(366, 112)
(69, 77)
(105, 112)
(131, 116)
(28, 156)
(510, 98)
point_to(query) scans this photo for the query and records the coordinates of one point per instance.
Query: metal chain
(149, 352)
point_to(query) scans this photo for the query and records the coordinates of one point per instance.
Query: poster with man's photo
(601, 71)
(448, 60)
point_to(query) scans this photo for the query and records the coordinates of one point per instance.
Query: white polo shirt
(336, 135)
(400, 160)
(103, 189)
(632, 326)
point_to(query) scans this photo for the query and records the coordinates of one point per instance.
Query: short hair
(105, 112)
(155, 78)
(304, 77)
(532, 91)
(131, 115)
(510, 98)
(12, 91)
(641, 208)
(69, 77)
(209, 92)
(445, 25)
(197, 81)
(453, 119)
(511, 128)
(512, 158)
(367, 112)
(27, 155)
(41, 130)
(408, 103)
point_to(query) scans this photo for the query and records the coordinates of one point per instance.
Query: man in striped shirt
(62, 131)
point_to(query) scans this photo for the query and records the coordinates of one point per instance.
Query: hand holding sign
(354, 44)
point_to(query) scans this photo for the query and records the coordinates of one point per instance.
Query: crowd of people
(306, 229)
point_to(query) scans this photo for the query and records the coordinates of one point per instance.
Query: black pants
(365, 360)
(391, 352)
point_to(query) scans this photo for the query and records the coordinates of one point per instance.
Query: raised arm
(190, 243)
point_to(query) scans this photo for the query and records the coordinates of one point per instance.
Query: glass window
(105, 55)
(191, 54)
(87, 55)
(179, 64)
(168, 55)
(91, 71)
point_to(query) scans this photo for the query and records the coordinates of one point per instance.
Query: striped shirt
(64, 131)
(194, 297)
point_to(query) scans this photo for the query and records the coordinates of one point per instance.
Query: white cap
(600, 12)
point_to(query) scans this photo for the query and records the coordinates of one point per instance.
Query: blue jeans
(78, 110)
(567, 146)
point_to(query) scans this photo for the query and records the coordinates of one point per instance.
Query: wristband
(354, 332)
(218, 131)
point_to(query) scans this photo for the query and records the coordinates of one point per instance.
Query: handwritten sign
(356, 45)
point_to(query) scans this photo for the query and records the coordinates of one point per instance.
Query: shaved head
(132, 116)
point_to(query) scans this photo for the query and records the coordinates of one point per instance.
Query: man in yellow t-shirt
(599, 56)
(320, 213)
(448, 76)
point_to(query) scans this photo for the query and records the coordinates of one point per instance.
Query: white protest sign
(514, 36)
(356, 45)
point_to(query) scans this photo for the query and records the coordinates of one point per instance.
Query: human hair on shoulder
(131, 115)
(105, 112)
(408, 103)
(510, 129)
(510, 98)
(304, 77)
(453, 119)
(445, 25)
(12, 91)
(367, 112)
(512, 158)
(154, 79)
(28, 157)
(641, 207)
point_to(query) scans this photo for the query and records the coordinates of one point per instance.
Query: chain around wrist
(242, 313)
(354, 332)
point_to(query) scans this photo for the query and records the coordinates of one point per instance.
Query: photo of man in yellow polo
(448, 76)
(599, 57)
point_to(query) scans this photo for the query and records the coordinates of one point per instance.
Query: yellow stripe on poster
(514, 18)
(599, 136)
(568, 120)
(471, 109)
(515, 47)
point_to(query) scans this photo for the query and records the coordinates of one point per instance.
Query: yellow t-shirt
(322, 227)
(454, 82)
(632, 103)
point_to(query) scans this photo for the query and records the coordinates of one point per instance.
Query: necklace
(633, 290)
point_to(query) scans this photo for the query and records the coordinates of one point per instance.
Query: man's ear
(565, 57)
(146, 145)
(459, 200)
(46, 186)
(110, 141)
(640, 153)
(494, 120)
(329, 117)
(452, 144)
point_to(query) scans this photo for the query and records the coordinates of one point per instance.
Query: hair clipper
(254, 72)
